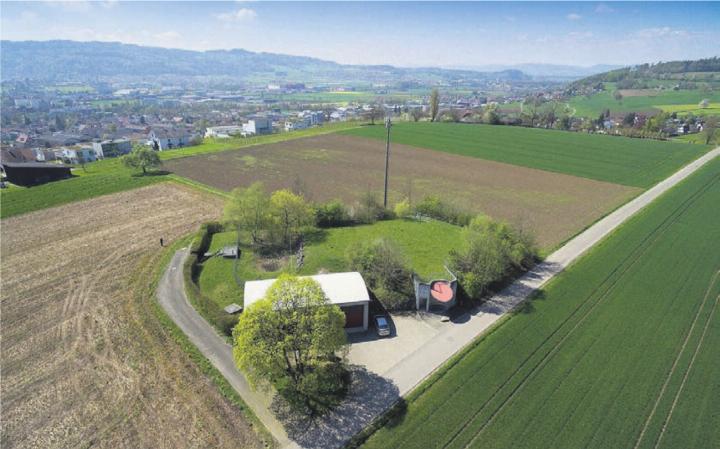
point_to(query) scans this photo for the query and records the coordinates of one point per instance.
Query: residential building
(346, 290)
(258, 125)
(112, 148)
(33, 173)
(168, 139)
(223, 132)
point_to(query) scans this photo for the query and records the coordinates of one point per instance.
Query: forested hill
(700, 70)
(96, 61)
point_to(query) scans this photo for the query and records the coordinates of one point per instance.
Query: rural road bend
(172, 298)
(416, 366)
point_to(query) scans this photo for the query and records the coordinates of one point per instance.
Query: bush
(370, 210)
(332, 214)
(403, 209)
(492, 252)
(433, 207)
(385, 271)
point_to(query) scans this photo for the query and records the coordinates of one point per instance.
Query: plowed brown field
(84, 360)
(552, 205)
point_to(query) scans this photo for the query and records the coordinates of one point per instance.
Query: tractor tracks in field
(594, 300)
(675, 364)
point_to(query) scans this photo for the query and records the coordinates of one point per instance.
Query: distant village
(81, 123)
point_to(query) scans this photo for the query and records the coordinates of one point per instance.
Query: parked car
(382, 325)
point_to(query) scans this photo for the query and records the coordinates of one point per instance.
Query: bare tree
(416, 114)
(374, 114)
(531, 109)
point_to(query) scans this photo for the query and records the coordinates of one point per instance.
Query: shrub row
(212, 312)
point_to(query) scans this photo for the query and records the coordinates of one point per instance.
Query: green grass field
(621, 160)
(619, 351)
(682, 109)
(110, 176)
(593, 106)
(425, 244)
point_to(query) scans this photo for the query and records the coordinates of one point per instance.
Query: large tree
(294, 339)
(142, 157)
(434, 104)
(248, 209)
(290, 213)
(710, 128)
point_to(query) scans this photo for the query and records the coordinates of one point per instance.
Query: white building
(346, 290)
(256, 126)
(223, 132)
(167, 139)
(76, 155)
(112, 148)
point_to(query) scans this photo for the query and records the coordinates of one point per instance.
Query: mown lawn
(620, 160)
(425, 244)
(619, 351)
(110, 176)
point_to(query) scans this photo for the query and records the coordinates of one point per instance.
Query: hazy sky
(400, 33)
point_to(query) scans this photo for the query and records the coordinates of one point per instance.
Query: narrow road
(171, 295)
(415, 367)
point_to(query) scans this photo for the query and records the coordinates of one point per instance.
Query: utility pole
(388, 124)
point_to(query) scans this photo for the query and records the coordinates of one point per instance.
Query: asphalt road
(171, 295)
(416, 366)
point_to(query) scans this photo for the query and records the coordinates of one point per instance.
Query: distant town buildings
(112, 148)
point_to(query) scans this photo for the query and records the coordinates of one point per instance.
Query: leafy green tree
(384, 268)
(142, 157)
(434, 104)
(290, 213)
(291, 339)
(491, 251)
(248, 209)
(710, 128)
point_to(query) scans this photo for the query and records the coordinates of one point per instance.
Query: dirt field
(84, 360)
(554, 206)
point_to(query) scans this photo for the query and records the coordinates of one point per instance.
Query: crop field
(619, 351)
(712, 109)
(426, 246)
(645, 100)
(339, 166)
(86, 362)
(620, 160)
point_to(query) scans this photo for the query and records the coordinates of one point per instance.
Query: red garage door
(354, 316)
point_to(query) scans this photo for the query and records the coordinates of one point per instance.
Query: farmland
(645, 100)
(620, 160)
(339, 166)
(86, 362)
(618, 351)
(425, 244)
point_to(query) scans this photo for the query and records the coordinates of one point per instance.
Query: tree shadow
(369, 396)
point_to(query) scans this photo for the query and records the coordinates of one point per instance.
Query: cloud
(573, 16)
(240, 15)
(70, 5)
(650, 33)
(602, 8)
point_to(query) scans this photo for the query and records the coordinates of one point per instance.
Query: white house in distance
(112, 148)
(346, 290)
(167, 139)
(223, 132)
(257, 126)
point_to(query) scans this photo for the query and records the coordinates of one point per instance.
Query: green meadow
(619, 351)
(620, 160)
(425, 244)
(592, 106)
